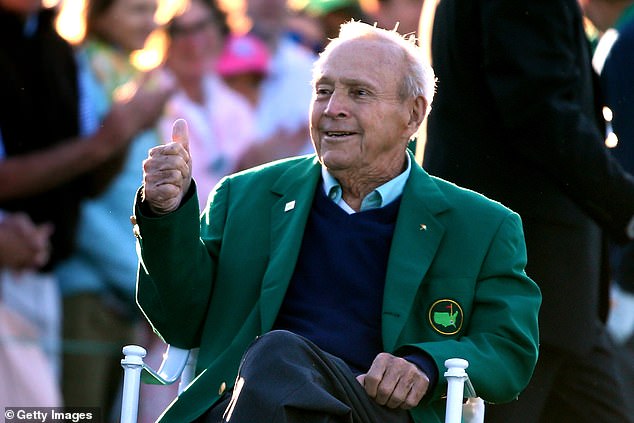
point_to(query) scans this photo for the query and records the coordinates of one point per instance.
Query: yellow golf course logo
(445, 316)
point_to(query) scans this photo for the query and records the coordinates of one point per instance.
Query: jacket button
(222, 389)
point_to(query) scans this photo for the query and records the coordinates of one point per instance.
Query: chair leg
(132, 364)
(456, 377)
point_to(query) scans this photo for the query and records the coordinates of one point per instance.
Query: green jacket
(455, 284)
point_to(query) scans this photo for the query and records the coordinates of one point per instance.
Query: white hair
(419, 76)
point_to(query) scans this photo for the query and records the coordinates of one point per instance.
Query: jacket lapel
(296, 188)
(417, 236)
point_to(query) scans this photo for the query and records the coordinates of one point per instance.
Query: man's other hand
(394, 382)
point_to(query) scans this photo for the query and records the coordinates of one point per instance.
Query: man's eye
(361, 93)
(322, 91)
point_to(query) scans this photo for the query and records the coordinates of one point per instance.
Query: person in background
(281, 116)
(23, 244)
(332, 287)
(53, 151)
(332, 13)
(97, 280)
(515, 118)
(306, 29)
(221, 121)
(25, 247)
(243, 65)
(404, 13)
(49, 156)
(29, 365)
(614, 62)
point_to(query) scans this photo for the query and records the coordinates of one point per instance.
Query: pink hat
(243, 54)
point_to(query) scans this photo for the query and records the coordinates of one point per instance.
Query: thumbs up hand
(167, 172)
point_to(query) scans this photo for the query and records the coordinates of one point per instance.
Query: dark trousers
(566, 389)
(284, 378)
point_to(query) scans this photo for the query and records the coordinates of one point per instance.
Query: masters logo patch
(445, 316)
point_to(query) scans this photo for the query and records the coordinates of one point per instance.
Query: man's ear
(418, 112)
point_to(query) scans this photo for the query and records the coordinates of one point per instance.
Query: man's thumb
(180, 133)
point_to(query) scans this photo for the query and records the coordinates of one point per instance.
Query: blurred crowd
(77, 118)
(77, 121)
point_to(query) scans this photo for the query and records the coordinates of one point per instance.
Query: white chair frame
(179, 365)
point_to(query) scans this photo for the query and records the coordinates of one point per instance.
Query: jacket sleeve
(176, 268)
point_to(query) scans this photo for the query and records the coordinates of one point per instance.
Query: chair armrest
(189, 372)
(174, 362)
(177, 364)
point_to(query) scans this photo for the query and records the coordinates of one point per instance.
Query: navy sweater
(336, 293)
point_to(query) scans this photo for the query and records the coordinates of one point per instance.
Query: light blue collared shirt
(380, 197)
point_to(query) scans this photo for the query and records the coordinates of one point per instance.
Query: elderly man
(332, 287)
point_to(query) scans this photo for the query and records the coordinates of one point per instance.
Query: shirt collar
(381, 196)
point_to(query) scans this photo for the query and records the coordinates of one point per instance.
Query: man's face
(359, 122)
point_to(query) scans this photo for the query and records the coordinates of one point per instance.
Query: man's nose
(337, 105)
